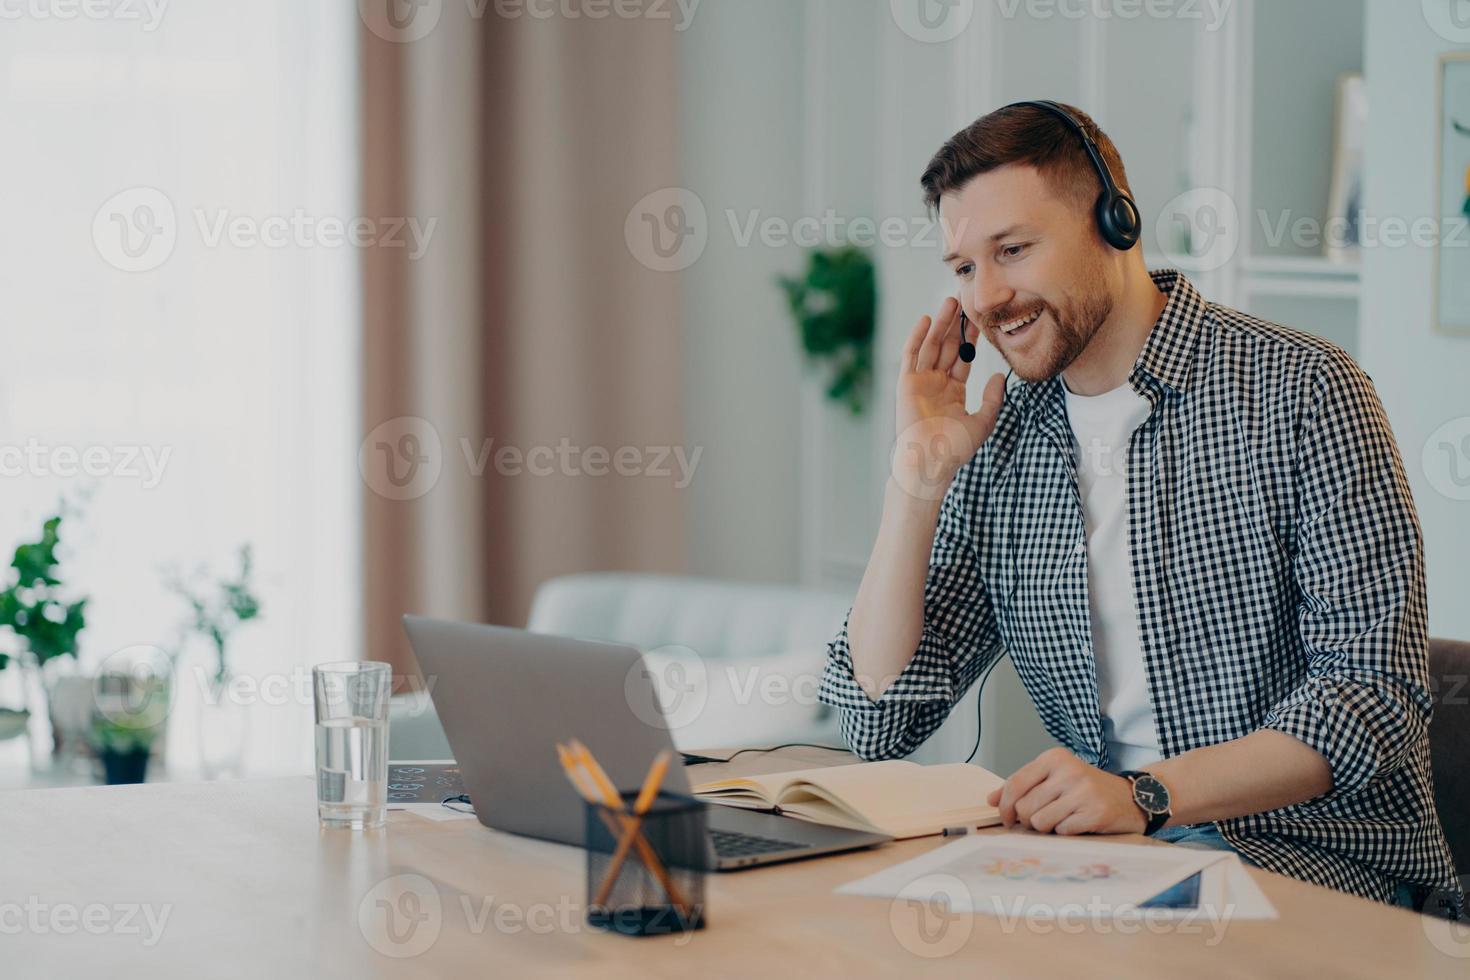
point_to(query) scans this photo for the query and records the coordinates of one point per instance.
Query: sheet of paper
(1037, 875)
(1244, 898)
(1227, 893)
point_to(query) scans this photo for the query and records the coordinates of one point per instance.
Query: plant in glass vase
(45, 620)
(217, 610)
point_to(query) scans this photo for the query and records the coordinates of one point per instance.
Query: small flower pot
(125, 767)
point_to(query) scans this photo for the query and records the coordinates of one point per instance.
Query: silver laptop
(506, 697)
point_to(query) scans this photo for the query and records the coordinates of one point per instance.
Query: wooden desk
(251, 888)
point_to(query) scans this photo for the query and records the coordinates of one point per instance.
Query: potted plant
(131, 698)
(835, 306)
(35, 608)
(216, 612)
(124, 744)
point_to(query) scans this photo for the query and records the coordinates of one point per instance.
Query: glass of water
(352, 743)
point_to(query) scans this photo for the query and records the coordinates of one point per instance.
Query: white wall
(1422, 376)
(740, 127)
(795, 109)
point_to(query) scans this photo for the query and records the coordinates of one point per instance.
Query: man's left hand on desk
(1058, 792)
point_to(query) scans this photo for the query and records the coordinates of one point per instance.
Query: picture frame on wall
(1452, 197)
(1345, 196)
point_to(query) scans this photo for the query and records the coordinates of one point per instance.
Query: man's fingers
(1022, 782)
(960, 370)
(910, 352)
(1077, 822)
(1049, 817)
(1028, 806)
(929, 350)
(949, 350)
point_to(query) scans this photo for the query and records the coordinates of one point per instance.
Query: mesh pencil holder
(657, 877)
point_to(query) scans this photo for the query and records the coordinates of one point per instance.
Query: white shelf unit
(1268, 79)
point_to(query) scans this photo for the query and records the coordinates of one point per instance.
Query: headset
(1116, 213)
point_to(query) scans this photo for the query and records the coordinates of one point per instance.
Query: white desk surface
(252, 888)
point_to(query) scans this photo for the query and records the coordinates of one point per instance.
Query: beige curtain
(526, 334)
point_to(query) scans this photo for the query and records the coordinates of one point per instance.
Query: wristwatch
(1152, 797)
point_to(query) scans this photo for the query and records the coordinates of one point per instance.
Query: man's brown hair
(1030, 136)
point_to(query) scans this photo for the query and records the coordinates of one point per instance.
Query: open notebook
(894, 797)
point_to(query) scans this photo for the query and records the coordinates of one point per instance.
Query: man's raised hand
(936, 435)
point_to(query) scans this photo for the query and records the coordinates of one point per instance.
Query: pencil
(646, 796)
(614, 801)
(584, 772)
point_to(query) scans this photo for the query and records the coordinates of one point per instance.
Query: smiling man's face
(1032, 270)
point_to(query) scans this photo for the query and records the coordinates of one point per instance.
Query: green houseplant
(835, 307)
(35, 608)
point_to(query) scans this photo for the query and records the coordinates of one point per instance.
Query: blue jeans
(1200, 835)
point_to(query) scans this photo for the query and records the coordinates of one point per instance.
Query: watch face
(1150, 794)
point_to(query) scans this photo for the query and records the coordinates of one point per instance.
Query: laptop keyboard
(729, 843)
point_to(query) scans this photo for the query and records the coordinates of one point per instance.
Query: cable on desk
(694, 760)
(461, 798)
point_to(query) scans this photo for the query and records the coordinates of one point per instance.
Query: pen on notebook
(956, 831)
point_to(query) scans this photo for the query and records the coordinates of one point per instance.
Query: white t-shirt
(1102, 425)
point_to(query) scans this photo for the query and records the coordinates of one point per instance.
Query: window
(176, 293)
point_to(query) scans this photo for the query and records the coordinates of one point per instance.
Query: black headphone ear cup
(1117, 220)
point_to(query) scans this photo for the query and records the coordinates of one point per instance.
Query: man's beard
(1075, 326)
